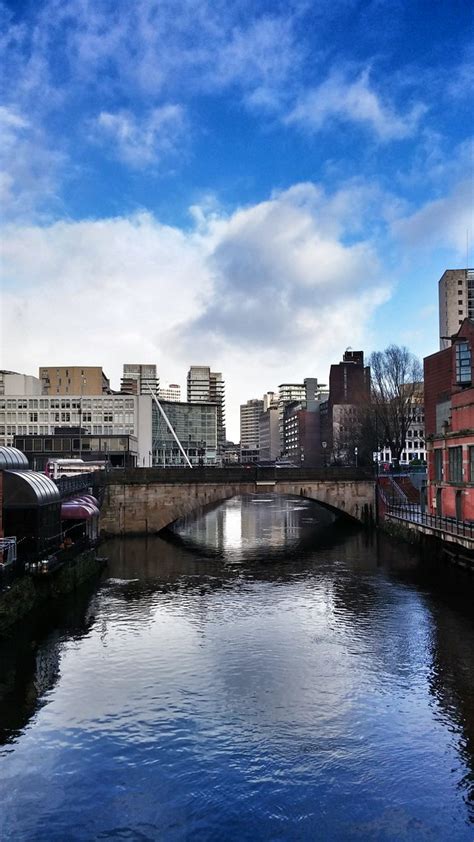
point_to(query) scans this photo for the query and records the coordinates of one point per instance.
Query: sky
(252, 186)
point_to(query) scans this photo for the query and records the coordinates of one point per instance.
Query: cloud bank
(256, 293)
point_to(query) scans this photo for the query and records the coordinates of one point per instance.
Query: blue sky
(252, 186)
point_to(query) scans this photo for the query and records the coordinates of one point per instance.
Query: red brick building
(449, 426)
(349, 390)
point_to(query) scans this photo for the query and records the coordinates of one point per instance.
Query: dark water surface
(270, 674)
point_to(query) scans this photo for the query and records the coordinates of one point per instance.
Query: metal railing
(440, 523)
(81, 482)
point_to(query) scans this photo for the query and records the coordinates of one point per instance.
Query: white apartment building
(456, 302)
(170, 393)
(97, 414)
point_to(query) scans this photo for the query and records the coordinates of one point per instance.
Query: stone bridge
(146, 500)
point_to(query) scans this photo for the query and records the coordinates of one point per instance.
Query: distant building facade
(349, 391)
(98, 415)
(449, 421)
(206, 386)
(195, 425)
(309, 394)
(170, 393)
(250, 413)
(139, 379)
(456, 302)
(301, 435)
(269, 434)
(73, 380)
(14, 383)
(119, 451)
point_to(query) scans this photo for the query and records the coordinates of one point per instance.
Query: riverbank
(430, 546)
(28, 593)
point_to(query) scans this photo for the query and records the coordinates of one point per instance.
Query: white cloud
(145, 142)
(441, 223)
(265, 294)
(355, 101)
(29, 169)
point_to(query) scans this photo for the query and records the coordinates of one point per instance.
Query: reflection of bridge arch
(147, 500)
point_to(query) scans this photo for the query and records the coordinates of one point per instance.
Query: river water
(266, 672)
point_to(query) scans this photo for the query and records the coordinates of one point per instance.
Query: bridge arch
(144, 501)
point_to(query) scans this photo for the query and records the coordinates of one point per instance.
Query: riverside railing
(440, 523)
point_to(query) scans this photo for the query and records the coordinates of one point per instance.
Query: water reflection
(268, 673)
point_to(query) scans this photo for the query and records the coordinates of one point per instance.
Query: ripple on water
(314, 696)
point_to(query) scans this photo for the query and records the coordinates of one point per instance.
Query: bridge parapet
(239, 474)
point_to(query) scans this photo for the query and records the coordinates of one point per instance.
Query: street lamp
(356, 453)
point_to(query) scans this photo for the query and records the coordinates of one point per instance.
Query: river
(265, 672)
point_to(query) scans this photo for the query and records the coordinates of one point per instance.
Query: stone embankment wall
(132, 506)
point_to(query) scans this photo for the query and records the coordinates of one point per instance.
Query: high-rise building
(206, 386)
(74, 380)
(250, 413)
(456, 302)
(139, 379)
(170, 393)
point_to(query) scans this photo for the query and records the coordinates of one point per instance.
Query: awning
(13, 459)
(78, 510)
(85, 498)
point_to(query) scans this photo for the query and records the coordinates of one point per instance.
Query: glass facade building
(195, 425)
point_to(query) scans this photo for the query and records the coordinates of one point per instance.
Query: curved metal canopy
(11, 457)
(28, 489)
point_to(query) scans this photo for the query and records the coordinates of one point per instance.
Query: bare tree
(396, 386)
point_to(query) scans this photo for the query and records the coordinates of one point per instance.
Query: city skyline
(253, 188)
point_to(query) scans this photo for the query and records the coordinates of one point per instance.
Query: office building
(73, 380)
(118, 451)
(139, 379)
(449, 422)
(195, 425)
(206, 386)
(456, 302)
(98, 415)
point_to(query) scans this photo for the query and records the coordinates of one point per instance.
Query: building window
(471, 464)
(438, 464)
(455, 464)
(463, 364)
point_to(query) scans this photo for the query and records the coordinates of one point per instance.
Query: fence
(81, 482)
(413, 514)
